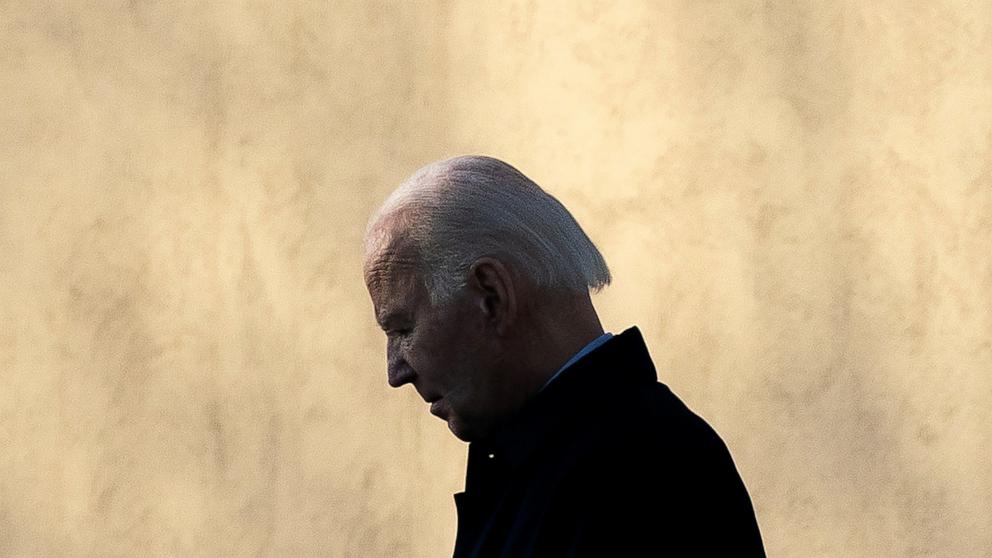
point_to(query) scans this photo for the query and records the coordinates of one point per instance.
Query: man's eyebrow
(389, 318)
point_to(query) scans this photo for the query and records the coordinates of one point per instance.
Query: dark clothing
(605, 462)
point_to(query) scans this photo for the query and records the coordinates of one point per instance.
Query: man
(481, 282)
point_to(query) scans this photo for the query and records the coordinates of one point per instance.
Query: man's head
(481, 281)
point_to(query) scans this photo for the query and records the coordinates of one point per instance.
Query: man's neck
(559, 340)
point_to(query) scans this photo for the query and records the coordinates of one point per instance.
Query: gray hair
(458, 210)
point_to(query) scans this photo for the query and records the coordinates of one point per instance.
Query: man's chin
(465, 432)
(460, 432)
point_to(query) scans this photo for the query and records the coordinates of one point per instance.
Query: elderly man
(480, 280)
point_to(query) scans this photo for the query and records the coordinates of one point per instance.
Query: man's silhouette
(481, 281)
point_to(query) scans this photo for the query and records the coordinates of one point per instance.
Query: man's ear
(493, 283)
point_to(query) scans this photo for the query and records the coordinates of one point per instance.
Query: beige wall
(796, 203)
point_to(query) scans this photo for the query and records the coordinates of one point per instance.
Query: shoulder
(651, 445)
(655, 470)
(655, 421)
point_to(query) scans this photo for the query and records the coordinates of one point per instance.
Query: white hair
(458, 210)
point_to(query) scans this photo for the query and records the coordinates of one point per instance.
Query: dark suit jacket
(605, 461)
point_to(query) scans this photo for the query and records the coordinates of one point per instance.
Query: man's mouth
(437, 410)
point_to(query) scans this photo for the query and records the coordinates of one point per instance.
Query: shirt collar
(582, 352)
(617, 363)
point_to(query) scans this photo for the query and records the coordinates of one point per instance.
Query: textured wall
(796, 202)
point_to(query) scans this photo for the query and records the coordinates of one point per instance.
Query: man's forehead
(396, 286)
(392, 261)
(386, 244)
(392, 268)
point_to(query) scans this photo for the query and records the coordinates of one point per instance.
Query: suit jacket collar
(619, 364)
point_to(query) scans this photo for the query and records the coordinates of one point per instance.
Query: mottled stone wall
(795, 200)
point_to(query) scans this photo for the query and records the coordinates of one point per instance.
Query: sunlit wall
(795, 201)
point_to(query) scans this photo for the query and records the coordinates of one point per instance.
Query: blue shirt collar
(583, 352)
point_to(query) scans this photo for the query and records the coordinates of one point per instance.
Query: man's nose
(399, 373)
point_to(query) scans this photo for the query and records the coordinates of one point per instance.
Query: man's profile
(481, 281)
